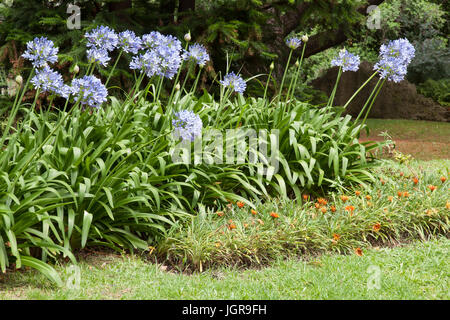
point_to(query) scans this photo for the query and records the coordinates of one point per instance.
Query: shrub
(439, 90)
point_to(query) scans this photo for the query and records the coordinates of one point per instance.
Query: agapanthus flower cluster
(163, 57)
(234, 82)
(394, 59)
(90, 91)
(197, 53)
(293, 42)
(187, 125)
(47, 80)
(129, 42)
(98, 55)
(40, 52)
(102, 37)
(346, 60)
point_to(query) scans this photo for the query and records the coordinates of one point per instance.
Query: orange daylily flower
(220, 213)
(322, 201)
(344, 198)
(240, 204)
(376, 227)
(401, 174)
(399, 194)
(390, 198)
(323, 210)
(317, 205)
(368, 197)
(382, 181)
(253, 212)
(336, 237)
(231, 226)
(333, 209)
(357, 192)
(447, 205)
(406, 194)
(349, 208)
(431, 187)
(443, 179)
(274, 215)
(415, 180)
(358, 252)
(305, 197)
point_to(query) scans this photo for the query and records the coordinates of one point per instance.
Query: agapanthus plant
(187, 125)
(48, 80)
(102, 37)
(40, 52)
(129, 42)
(90, 91)
(197, 53)
(148, 62)
(293, 42)
(98, 55)
(394, 60)
(346, 60)
(234, 82)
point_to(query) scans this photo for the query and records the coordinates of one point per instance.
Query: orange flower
(376, 227)
(368, 197)
(322, 201)
(382, 181)
(443, 179)
(358, 252)
(317, 205)
(253, 212)
(369, 204)
(406, 194)
(333, 209)
(415, 180)
(391, 198)
(399, 194)
(245, 225)
(336, 237)
(357, 192)
(349, 208)
(305, 197)
(431, 187)
(220, 213)
(231, 226)
(274, 215)
(447, 205)
(344, 198)
(240, 204)
(323, 210)
(401, 174)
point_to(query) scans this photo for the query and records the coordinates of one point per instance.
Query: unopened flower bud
(187, 36)
(297, 63)
(19, 79)
(76, 69)
(177, 87)
(272, 66)
(305, 38)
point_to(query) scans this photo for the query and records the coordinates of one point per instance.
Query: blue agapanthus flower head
(98, 55)
(48, 80)
(129, 42)
(346, 60)
(234, 82)
(394, 60)
(187, 125)
(102, 37)
(40, 52)
(197, 53)
(163, 57)
(90, 90)
(293, 42)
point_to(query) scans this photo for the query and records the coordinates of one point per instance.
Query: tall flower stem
(360, 88)
(294, 80)
(196, 80)
(267, 84)
(284, 76)
(114, 67)
(15, 108)
(333, 93)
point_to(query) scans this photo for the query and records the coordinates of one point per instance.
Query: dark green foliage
(437, 90)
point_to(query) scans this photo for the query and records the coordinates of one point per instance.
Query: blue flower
(197, 53)
(394, 60)
(187, 125)
(293, 42)
(129, 42)
(234, 82)
(47, 80)
(90, 91)
(163, 57)
(102, 38)
(40, 52)
(96, 55)
(346, 60)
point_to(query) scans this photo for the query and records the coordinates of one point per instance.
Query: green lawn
(414, 271)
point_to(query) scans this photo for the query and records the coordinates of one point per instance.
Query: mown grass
(415, 271)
